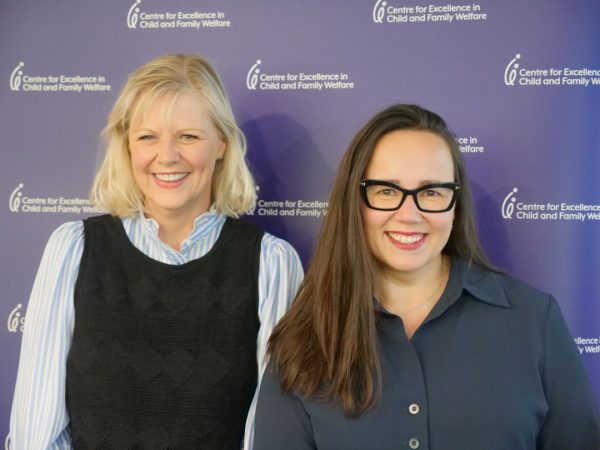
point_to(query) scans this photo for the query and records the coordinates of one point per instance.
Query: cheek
(139, 159)
(366, 219)
(201, 158)
(373, 219)
(444, 222)
(372, 222)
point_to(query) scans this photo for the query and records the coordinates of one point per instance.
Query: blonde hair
(115, 190)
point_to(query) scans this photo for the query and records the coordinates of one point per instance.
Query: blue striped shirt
(39, 418)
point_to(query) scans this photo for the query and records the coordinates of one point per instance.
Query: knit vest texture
(163, 356)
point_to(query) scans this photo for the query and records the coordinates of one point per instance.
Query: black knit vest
(163, 356)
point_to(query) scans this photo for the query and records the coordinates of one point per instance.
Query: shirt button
(413, 443)
(414, 408)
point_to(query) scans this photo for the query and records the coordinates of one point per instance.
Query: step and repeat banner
(517, 80)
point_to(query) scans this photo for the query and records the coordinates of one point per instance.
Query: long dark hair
(326, 345)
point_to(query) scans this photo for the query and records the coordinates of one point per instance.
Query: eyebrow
(421, 183)
(180, 130)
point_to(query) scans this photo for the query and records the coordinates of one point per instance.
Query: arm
(39, 418)
(279, 278)
(572, 421)
(281, 420)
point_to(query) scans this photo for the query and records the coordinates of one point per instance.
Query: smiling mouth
(406, 238)
(170, 177)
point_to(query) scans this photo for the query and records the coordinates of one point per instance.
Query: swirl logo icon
(508, 205)
(252, 77)
(133, 14)
(250, 212)
(510, 73)
(14, 202)
(15, 322)
(15, 77)
(379, 11)
(7, 443)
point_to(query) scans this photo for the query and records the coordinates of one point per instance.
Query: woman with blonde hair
(403, 335)
(146, 326)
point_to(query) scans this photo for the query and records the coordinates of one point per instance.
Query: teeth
(170, 176)
(404, 239)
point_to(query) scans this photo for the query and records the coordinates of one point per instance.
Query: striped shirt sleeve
(39, 418)
(279, 278)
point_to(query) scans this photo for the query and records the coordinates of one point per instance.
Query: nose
(168, 153)
(408, 212)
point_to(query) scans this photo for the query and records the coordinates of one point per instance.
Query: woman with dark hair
(403, 335)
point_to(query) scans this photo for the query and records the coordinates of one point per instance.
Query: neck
(412, 296)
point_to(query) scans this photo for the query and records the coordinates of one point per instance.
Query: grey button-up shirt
(493, 367)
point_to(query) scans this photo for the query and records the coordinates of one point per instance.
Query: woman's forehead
(161, 106)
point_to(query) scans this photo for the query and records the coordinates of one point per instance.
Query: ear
(221, 151)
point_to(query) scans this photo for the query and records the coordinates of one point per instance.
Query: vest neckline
(134, 253)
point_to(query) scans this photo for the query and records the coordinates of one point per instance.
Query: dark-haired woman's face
(409, 241)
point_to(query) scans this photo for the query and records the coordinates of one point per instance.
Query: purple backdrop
(518, 81)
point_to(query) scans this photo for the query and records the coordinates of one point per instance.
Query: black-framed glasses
(387, 196)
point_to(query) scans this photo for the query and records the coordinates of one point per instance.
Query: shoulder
(67, 234)
(60, 263)
(531, 305)
(271, 246)
(278, 248)
(275, 244)
(505, 290)
(521, 311)
(520, 291)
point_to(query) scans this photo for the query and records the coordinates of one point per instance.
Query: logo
(513, 208)
(510, 73)
(15, 77)
(517, 75)
(257, 79)
(508, 205)
(133, 14)
(14, 202)
(19, 203)
(15, 322)
(384, 12)
(379, 11)
(163, 19)
(20, 82)
(7, 443)
(252, 77)
(250, 212)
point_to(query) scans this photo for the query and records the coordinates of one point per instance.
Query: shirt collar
(150, 224)
(203, 224)
(483, 284)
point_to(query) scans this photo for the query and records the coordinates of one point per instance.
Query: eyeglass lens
(431, 199)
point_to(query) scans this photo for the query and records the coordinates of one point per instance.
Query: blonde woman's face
(174, 148)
